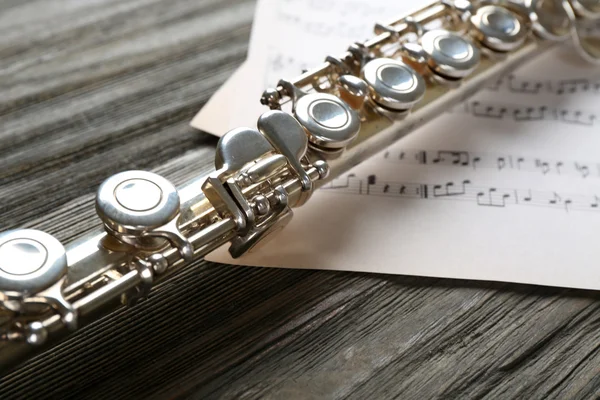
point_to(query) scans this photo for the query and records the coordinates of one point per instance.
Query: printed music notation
(485, 196)
(494, 161)
(279, 62)
(534, 86)
(523, 113)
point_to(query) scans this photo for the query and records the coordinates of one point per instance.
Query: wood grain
(90, 88)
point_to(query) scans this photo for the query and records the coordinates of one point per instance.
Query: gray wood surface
(90, 88)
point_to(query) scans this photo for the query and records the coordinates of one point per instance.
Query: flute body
(316, 126)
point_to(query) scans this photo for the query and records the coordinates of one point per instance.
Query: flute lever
(288, 138)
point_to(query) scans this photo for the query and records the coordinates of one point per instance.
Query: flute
(317, 126)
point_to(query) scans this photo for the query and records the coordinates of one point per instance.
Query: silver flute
(317, 126)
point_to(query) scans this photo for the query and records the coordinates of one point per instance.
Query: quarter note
(475, 161)
(555, 199)
(371, 181)
(501, 162)
(567, 204)
(543, 166)
(584, 170)
(519, 161)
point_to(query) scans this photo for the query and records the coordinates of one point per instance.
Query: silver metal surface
(289, 139)
(450, 54)
(498, 28)
(589, 9)
(585, 34)
(329, 122)
(153, 230)
(393, 84)
(239, 147)
(140, 208)
(549, 19)
(280, 216)
(136, 201)
(353, 90)
(30, 261)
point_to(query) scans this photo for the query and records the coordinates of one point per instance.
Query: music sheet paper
(504, 187)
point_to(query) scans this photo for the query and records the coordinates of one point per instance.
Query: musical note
(526, 86)
(531, 114)
(535, 87)
(546, 111)
(577, 117)
(568, 202)
(577, 85)
(450, 190)
(454, 157)
(582, 169)
(490, 196)
(499, 162)
(371, 181)
(528, 196)
(543, 166)
(555, 199)
(347, 182)
(488, 110)
(494, 197)
(494, 86)
(476, 160)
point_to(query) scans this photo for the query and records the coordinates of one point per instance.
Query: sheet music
(287, 37)
(505, 186)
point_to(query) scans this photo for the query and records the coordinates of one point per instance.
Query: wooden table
(91, 88)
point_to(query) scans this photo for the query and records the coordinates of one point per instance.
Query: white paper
(287, 37)
(504, 187)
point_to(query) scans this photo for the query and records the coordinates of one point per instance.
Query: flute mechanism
(319, 124)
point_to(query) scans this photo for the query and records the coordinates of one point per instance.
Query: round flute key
(329, 121)
(134, 202)
(498, 28)
(450, 54)
(394, 85)
(585, 37)
(586, 8)
(30, 261)
(550, 18)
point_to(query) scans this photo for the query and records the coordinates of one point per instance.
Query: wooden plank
(92, 88)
